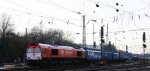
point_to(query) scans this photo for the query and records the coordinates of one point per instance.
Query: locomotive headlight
(38, 58)
(29, 58)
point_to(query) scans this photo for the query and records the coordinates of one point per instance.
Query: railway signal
(94, 44)
(102, 32)
(102, 40)
(144, 46)
(144, 37)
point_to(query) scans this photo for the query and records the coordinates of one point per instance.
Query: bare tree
(51, 36)
(6, 27)
(35, 34)
(54, 36)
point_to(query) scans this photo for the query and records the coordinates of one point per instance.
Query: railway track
(97, 68)
(113, 67)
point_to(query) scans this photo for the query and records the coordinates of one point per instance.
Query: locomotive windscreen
(37, 50)
(29, 50)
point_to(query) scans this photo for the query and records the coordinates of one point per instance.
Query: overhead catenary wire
(141, 29)
(41, 14)
(133, 30)
(76, 12)
(131, 14)
(109, 6)
(73, 11)
(58, 5)
(44, 16)
(65, 8)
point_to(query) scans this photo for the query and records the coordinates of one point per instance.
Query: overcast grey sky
(67, 15)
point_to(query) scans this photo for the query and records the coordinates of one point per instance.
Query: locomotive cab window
(29, 50)
(37, 50)
(54, 51)
(79, 53)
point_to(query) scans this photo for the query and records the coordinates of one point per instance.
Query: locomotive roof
(46, 45)
(80, 49)
(55, 46)
(66, 47)
(91, 49)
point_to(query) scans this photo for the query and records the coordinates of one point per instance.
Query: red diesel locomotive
(50, 55)
(44, 54)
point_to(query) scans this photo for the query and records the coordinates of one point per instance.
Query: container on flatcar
(107, 56)
(115, 56)
(92, 54)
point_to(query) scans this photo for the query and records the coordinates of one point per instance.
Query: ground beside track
(130, 66)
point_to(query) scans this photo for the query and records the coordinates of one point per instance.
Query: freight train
(46, 55)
